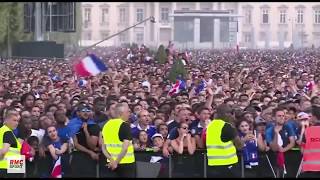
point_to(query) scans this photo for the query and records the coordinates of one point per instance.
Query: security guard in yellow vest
(221, 138)
(117, 144)
(9, 144)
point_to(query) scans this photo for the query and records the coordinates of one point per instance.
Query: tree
(11, 26)
(177, 71)
(161, 56)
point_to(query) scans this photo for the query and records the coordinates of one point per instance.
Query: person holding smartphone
(250, 150)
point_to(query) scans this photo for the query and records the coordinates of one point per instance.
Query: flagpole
(151, 18)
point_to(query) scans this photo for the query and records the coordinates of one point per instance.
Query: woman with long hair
(143, 142)
(250, 149)
(55, 148)
(184, 143)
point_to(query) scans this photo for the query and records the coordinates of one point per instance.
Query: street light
(151, 18)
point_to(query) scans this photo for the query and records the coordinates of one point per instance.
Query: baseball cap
(83, 107)
(157, 135)
(303, 115)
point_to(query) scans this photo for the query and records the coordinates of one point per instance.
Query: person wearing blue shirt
(63, 130)
(281, 139)
(174, 122)
(250, 150)
(291, 121)
(143, 124)
(270, 124)
(56, 146)
(198, 125)
(294, 126)
(75, 123)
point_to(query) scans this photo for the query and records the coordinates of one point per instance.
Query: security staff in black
(221, 143)
(85, 154)
(117, 144)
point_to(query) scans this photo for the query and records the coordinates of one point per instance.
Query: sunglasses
(85, 110)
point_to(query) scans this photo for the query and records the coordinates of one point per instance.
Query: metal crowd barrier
(150, 165)
(180, 165)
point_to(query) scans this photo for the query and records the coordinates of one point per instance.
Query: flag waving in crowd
(176, 88)
(53, 76)
(56, 171)
(91, 65)
(200, 87)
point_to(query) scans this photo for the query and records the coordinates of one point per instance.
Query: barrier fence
(153, 164)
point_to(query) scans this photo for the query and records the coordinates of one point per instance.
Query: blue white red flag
(57, 171)
(201, 87)
(177, 87)
(91, 65)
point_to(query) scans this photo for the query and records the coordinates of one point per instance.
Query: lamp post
(151, 18)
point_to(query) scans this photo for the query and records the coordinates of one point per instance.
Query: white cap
(303, 115)
(157, 135)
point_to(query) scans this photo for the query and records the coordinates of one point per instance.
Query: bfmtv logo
(16, 164)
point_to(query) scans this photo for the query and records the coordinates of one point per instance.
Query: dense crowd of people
(268, 97)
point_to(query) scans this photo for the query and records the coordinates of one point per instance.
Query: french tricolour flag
(179, 86)
(91, 65)
(202, 86)
(57, 171)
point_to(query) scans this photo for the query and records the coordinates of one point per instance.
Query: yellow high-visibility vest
(13, 152)
(219, 153)
(110, 132)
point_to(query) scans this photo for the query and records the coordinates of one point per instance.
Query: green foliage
(161, 56)
(177, 70)
(11, 25)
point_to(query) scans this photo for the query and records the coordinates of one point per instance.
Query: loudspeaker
(38, 49)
